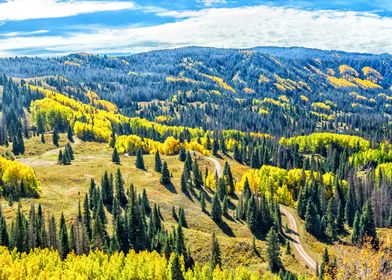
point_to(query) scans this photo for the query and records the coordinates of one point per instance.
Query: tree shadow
(170, 187)
(225, 228)
(187, 193)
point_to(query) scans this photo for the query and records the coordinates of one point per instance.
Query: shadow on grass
(170, 187)
(225, 228)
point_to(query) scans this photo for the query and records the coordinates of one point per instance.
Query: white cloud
(33, 9)
(229, 28)
(209, 3)
(16, 34)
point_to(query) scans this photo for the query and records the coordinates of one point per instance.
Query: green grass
(62, 187)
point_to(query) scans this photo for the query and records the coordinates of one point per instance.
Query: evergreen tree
(215, 147)
(158, 162)
(273, 250)
(119, 188)
(115, 157)
(175, 268)
(181, 217)
(70, 134)
(55, 137)
(351, 206)
(221, 188)
(139, 159)
(63, 238)
(106, 190)
(182, 154)
(216, 210)
(60, 157)
(312, 219)
(184, 187)
(197, 176)
(367, 227)
(165, 178)
(356, 228)
(112, 142)
(237, 153)
(229, 180)
(225, 206)
(87, 216)
(215, 258)
(202, 201)
(331, 219)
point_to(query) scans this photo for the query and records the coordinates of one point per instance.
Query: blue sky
(57, 27)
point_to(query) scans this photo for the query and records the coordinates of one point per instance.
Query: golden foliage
(321, 105)
(12, 173)
(220, 82)
(346, 70)
(366, 84)
(340, 82)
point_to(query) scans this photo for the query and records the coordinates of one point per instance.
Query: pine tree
(331, 219)
(106, 189)
(237, 153)
(112, 142)
(53, 234)
(229, 180)
(197, 176)
(182, 154)
(165, 178)
(202, 201)
(215, 147)
(216, 210)
(158, 162)
(63, 238)
(174, 213)
(351, 206)
(60, 157)
(181, 217)
(225, 206)
(119, 188)
(175, 268)
(184, 187)
(356, 228)
(87, 216)
(221, 188)
(312, 219)
(215, 258)
(70, 134)
(115, 157)
(273, 250)
(55, 137)
(139, 159)
(367, 227)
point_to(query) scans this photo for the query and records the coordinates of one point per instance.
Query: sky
(116, 27)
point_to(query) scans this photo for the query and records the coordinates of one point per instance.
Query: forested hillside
(279, 159)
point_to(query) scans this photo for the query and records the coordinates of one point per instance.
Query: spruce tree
(112, 142)
(119, 188)
(312, 219)
(367, 227)
(60, 157)
(106, 189)
(115, 157)
(197, 176)
(182, 154)
(225, 206)
(351, 206)
(215, 146)
(87, 216)
(229, 180)
(331, 219)
(237, 153)
(202, 201)
(42, 138)
(273, 250)
(158, 162)
(356, 228)
(139, 159)
(70, 134)
(216, 210)
(181, 217)
(175, 268)
(63, 238)
(55, 137)
(184, 187)
(215, 258)
(165, 178)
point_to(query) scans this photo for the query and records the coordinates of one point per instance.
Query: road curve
(292, 225)
(293, 234)
(218, 167)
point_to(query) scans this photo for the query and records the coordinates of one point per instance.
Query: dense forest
(303, 129)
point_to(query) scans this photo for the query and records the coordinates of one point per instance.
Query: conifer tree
(139, 159)
(181, 217)
(63, 238)
(216, 210)
(158, 162)
(112, 142)
(70, 134)
(215, 146)
(175, 268)
(184, 187)
(221, 188)
(55, 137)
(197, 176)
(115, 157)
(87, 216)
(367, 227)
(119, 188)
(351, 206)
(312, 219)
(106, 189)
(237, 153)
(215, 258)
(165, 178)
(225, 206)
(356, 228)
(331, 219)
(60, 157)
(202, 201)
(174, 213)
(182, 154)
(229, 180)
(273, 250)
(52, 234)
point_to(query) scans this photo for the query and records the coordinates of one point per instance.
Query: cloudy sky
(57, 27)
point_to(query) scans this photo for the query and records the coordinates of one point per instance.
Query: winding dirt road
(293, 234)
(292, 225)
